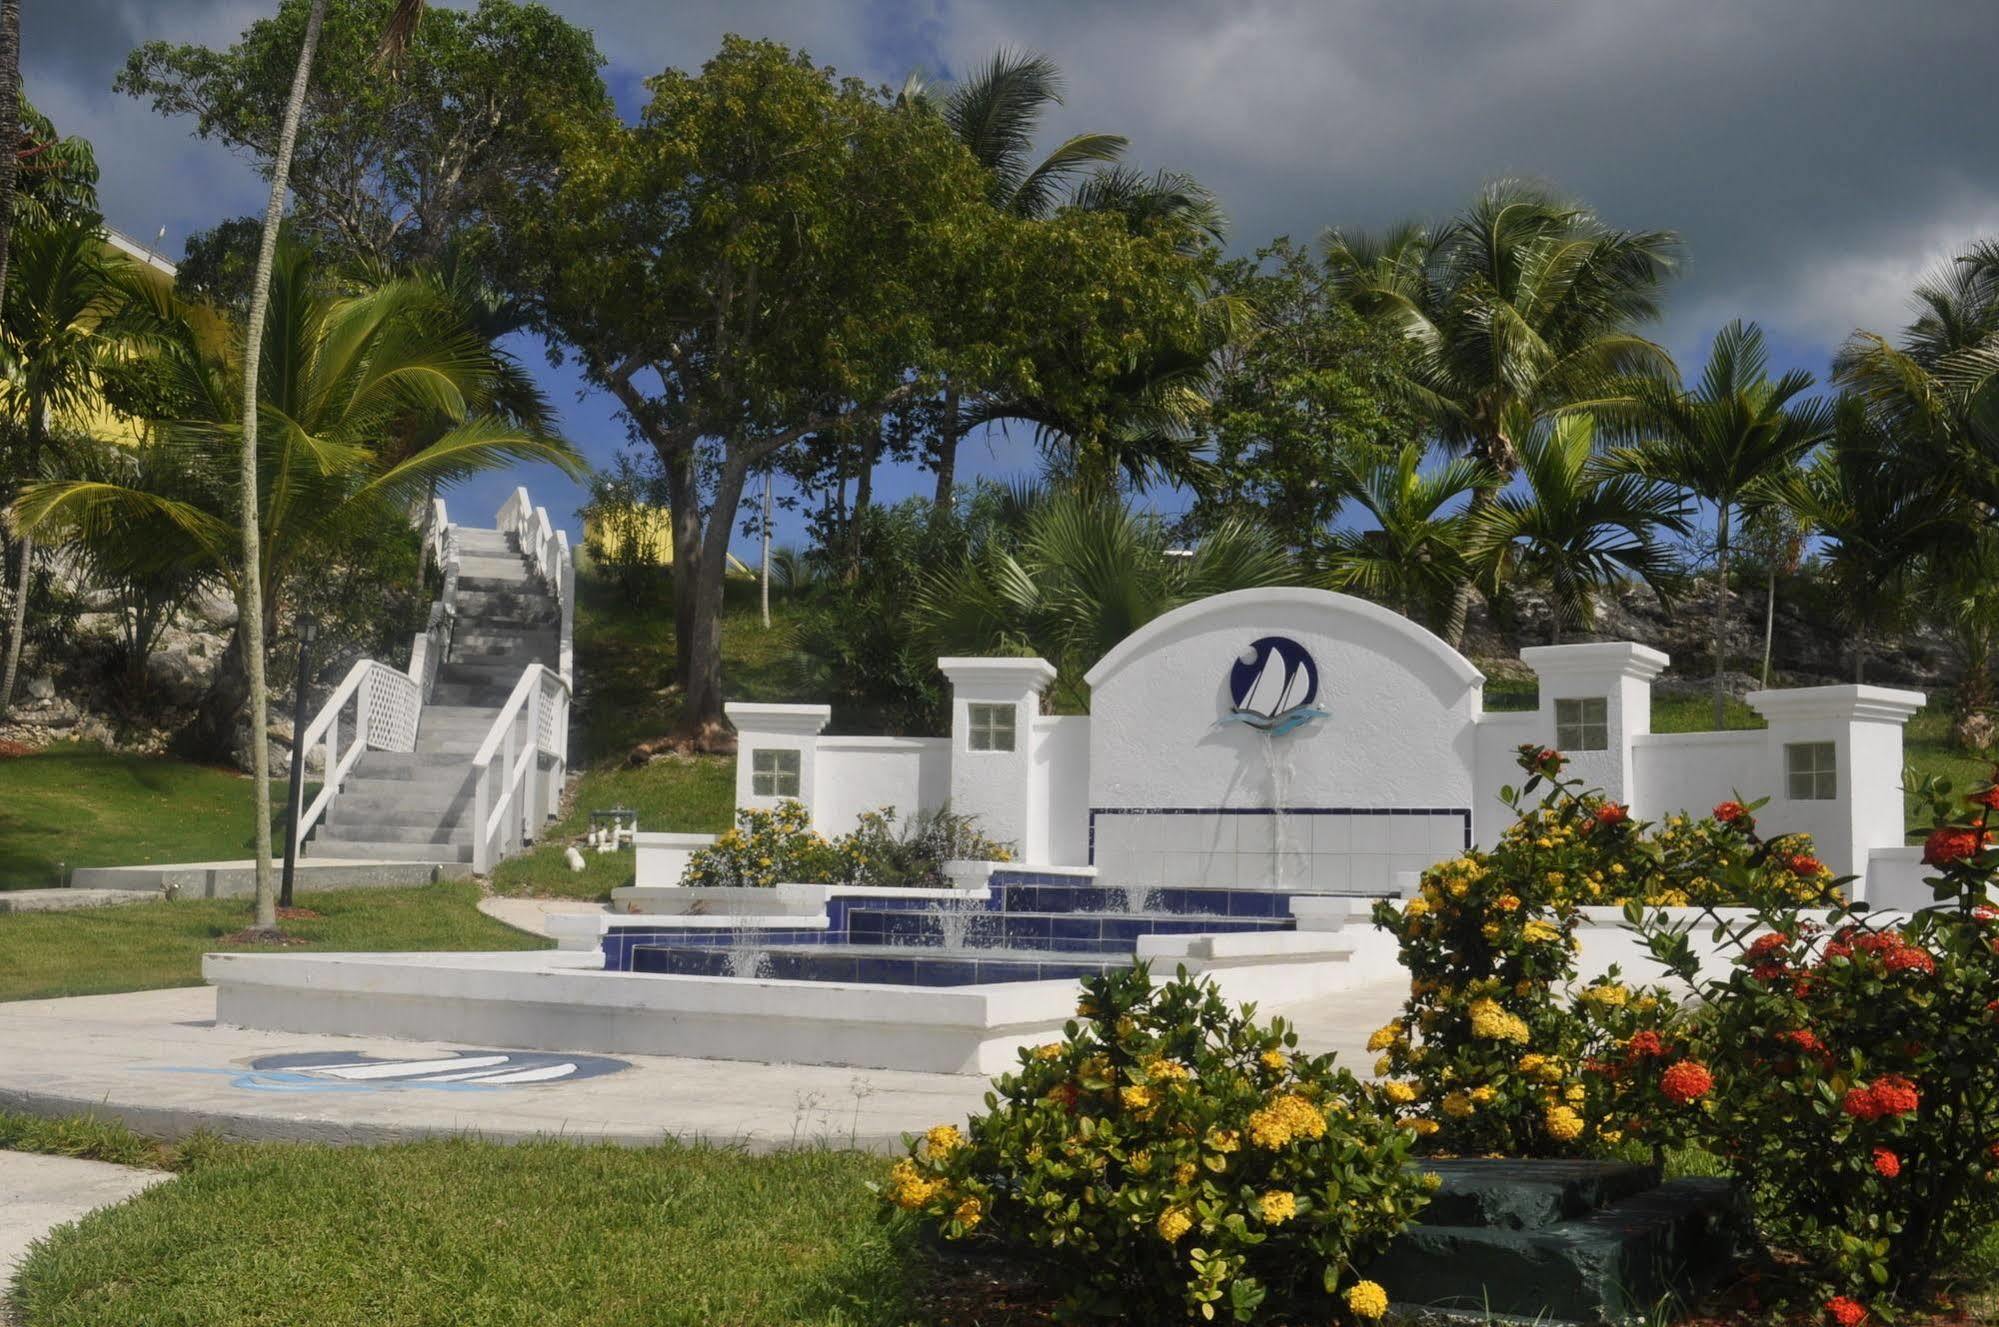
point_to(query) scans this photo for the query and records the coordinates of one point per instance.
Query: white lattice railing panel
(391, 704)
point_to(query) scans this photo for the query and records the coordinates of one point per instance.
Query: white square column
(1859, 807)
(1000, 786)
(790, 734)
(1618, 673)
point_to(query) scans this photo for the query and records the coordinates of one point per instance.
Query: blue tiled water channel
(1025, 926)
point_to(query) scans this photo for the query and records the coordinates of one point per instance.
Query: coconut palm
(1414, 557)
(1723, 442)
(345, 370)
(1521, 307)
(1875, 517)
(1079, 575)
(1579, 527)
(59, 334)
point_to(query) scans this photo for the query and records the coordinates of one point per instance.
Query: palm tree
(1723, 442)
(1076, 575)
(10, 130)
(1876, 517)
(58, 335)
(1580, 526)
(345, 371)
(1414, 557)
(396, 35)
(1521, 307)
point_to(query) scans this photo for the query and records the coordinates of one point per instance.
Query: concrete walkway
(39, 1193)
(157, 1060)
(532, 914)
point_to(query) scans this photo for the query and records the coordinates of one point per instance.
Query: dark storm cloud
(1816, 156)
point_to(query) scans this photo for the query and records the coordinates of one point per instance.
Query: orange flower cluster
(1885, 1098)
(1886, 1164)
(1686, 1082)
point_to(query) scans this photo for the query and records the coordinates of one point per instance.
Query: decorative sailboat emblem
(1274, 686)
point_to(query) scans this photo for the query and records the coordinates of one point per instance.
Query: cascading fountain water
(1277, 758)
(747, 955)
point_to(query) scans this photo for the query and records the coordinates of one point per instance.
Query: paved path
(39, 1193)
(157, 1060)
(530, 914)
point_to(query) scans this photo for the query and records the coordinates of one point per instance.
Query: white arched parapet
(1374, 781)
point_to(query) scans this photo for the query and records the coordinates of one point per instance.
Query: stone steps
(377, 849)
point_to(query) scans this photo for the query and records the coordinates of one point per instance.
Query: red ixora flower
(1890, 1095)
(1765, 946)
(1908, 958)
(1645, 1043)
(1610, 815)
(1989, 799)
(1952, 844)
(1803, 863)
(1845, 1312)
(1805, 1040)
(1886, 1164)
(1686, 1082)
(1728, 813)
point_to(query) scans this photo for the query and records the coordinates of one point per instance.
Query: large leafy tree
(1074, 574)
(1523, 306)
(343, 369)
(1725, 442)
(414, 127)
(773, 257)
(1304, 392)
(1412, 555)
(1578, 527)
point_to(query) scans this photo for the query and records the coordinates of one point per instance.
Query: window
(1809, 769)
(1582, 724)
(774, 772)
(991, 727)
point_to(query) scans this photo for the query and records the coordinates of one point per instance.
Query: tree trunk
(1720, 615)
(210, 736)
(701, 720)
(1860, 655)
(10, 127)
(864, 493)
(1769, 621)
(947, 452)
(763, 574)
(17, 625)
(1482, 499)
(683, 494)
(250, 611)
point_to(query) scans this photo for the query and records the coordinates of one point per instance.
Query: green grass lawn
(75, 805)
(146, 946)
(437, 1234)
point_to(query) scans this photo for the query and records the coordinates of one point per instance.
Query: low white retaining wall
(662, 858)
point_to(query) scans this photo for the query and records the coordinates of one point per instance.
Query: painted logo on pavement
(459, 1071)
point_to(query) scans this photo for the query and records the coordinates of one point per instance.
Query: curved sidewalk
(158, 1061)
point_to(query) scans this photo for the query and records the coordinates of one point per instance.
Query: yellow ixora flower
(1563, 1124)
(1286, 1118)
(1399, 1093)
(1457, 1105)
(1539, 932)
(1173, 1223)
(1272, 1060)
(1366, 1299)
(968, 1212)
(1385, 1036)
(909, 1188)
(943, 1139)
(1277, 1207)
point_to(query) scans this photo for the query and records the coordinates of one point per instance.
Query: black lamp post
(308, 632)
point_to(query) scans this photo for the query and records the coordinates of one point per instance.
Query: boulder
(1976, 731)
(177, 677)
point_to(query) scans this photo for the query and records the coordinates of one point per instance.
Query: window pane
(1810, 770)
(989, 727)
(774, 772)
(1582, 724)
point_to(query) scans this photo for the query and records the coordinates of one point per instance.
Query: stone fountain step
(1068, 932)
(1177, 899)
(897, 965)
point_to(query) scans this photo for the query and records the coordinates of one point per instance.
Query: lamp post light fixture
(307, 627)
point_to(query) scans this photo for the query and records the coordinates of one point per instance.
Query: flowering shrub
(1169, 1157)
(1484, 1054)
(765, 848)
(1850, 1073)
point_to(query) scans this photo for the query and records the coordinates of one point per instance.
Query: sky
(1816, 157)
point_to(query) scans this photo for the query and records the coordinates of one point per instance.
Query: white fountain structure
(1256, 769)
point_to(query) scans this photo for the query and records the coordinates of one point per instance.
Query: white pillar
(991, 777)
(788, 735)
(1618, 673)
(1862, 726)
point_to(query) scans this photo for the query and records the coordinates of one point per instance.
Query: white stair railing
(512, 793)
(432, 645)
(547, 551)
(385, 707)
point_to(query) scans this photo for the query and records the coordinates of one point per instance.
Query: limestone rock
(1976, 731)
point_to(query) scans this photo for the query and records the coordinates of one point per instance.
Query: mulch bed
(250, 935)
(15, 749)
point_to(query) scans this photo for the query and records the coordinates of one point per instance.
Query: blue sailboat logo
(1274, 686)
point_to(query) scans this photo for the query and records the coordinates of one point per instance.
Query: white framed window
(1582, 724)
(774, 771)
(1811, 771)
(989, 727)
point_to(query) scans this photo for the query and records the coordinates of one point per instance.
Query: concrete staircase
(418, 806)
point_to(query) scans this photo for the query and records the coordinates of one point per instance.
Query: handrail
(507, 815)
(547, 551)
(387, 707)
